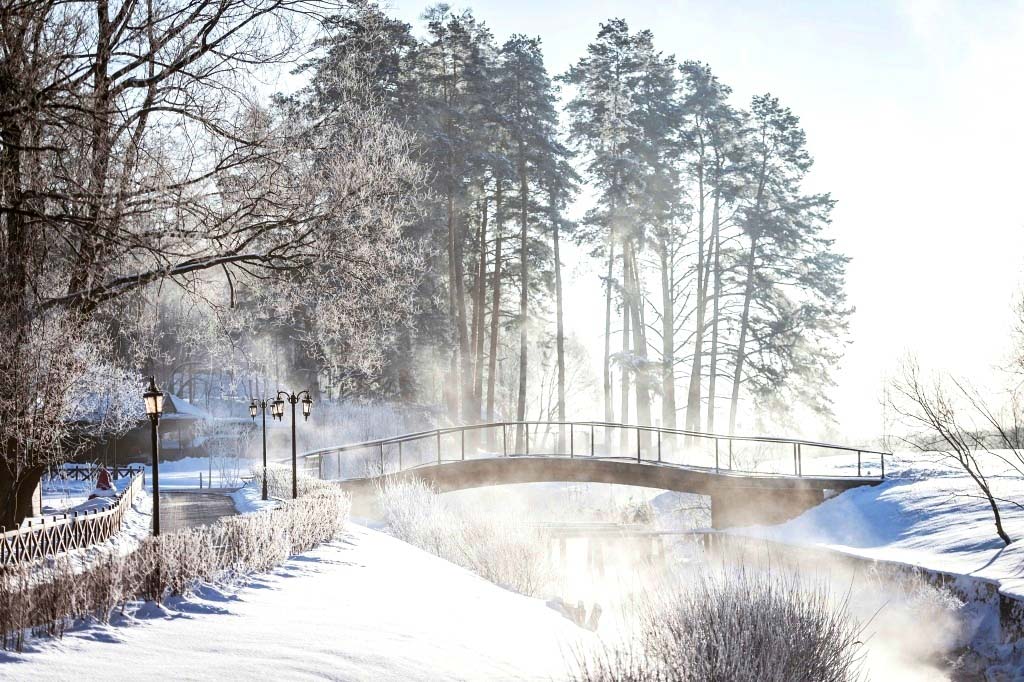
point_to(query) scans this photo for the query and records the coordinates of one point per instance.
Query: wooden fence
(62, 533)
(87, 472)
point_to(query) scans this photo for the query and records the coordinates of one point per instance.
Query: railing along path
(53, 534)
(721, 453)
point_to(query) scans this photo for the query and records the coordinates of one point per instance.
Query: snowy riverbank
(926, 514)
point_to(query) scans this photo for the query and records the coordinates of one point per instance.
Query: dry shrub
(739, 626)
(279, 483)
(503, 550)
(45, 598)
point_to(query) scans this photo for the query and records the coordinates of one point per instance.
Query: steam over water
(910, 629)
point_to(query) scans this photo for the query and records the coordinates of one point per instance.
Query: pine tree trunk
(742, 343)
(492, 368)
(609, 411)
(559, 334)
(454, 380)
(716, 244)
(642, 383)
(466, 371)
(748, 294)
(696, 370)
(524, 283)
(624, 386)
(478, 309)
(668, 340)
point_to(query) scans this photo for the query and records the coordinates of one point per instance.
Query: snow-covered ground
(927, 514)
(249, 498)
(60, 496)
(225, 472)
(367, 607)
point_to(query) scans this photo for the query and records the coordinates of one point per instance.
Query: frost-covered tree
(134, 151)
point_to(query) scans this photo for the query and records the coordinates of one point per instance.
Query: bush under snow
(505, 551)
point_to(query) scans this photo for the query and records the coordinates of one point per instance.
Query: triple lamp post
(154, 400)
(277, 412)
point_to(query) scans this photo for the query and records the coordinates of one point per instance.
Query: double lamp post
(154, 400)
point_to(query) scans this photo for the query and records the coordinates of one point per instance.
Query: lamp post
(154, 400)
(277, 410)
(261, 405)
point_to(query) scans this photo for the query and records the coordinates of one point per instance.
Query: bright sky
(913, 112)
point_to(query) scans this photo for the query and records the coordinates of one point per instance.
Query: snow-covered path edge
(364, 607)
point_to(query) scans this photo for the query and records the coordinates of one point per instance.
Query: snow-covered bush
(279, 483)
(737, 625)
(503, 549)
(45, 598)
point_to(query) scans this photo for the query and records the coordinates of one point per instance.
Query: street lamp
(307, 404)
(262, 406)
(154, 400)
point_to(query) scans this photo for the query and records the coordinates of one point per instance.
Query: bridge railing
(758, 455)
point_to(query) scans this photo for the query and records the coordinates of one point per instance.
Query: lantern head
(154, 399)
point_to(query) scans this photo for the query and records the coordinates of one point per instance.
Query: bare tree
(930, 409)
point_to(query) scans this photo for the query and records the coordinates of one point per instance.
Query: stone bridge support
(758, 506)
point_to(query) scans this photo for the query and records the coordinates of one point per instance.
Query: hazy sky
(913, 112)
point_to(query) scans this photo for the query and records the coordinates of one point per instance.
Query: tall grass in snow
(504, 550)
(737, 625)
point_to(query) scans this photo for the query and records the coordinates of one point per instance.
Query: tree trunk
(454, 381)
(696, 369)
(479, 321)
(624, 388)
(716, 244)
(17, 492)
(466, 371)
(609, 411)
(668, 340)
(524, 282)
(741, 344)
(559, 331)
(495, 304)
(642, 383)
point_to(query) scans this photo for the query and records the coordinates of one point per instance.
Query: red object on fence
(103, 480)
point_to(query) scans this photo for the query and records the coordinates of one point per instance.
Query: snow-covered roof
(177, 408)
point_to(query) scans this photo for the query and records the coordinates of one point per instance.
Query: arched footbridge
(750, 479)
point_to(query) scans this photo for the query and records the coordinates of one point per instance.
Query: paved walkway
(190, 508)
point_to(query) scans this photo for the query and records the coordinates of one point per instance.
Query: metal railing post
(730, 454)
(591, 440)
(796, 467)
(716, 454)
(800, 460)
(382, 458)
(638, 445)
(399, 455)
(526, 434)
(504, 438)
(463, 434)
(858, 464)
(572, 441)
(882, 458)
(439, 446)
